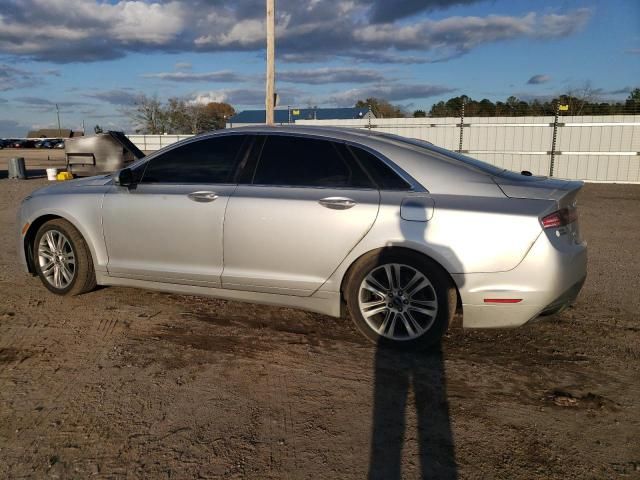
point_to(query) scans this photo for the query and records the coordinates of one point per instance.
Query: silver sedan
(397, 232)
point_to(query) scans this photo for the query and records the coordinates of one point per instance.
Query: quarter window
(307, 162)
(211, 160)
(382, 174)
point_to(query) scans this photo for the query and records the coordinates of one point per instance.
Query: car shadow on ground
(30, 174)
(396, 373)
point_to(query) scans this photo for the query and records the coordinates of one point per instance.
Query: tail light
(560, 218)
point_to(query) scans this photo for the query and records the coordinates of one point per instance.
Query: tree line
(577, 103)
(180, 116)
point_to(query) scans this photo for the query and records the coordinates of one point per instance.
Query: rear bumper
(564, 300)
(548, 278)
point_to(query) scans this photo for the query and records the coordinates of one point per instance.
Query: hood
(71, 186)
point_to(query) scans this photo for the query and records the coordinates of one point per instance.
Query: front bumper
(549, 277)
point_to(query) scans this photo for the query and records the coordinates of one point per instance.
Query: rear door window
(210, 160)
(307, 162)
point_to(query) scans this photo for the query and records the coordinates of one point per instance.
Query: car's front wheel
(401, 299)
(62, 259)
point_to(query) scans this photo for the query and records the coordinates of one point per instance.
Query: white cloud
(318, 76)
(393, 92)
(209, 97)
(89, 30)
(221, 76)
(12, 78)
(243, 33)
(464, 33)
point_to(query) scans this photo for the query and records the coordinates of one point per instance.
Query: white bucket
(51, 173)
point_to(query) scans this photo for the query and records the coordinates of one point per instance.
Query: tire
(58, 238)
(422, 315)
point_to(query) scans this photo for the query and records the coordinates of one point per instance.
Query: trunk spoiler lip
(562, 191)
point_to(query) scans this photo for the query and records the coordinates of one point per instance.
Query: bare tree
(578, 97)
(196, 115)
(178, 116)
(149, 115)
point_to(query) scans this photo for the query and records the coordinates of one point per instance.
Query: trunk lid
(516, 185)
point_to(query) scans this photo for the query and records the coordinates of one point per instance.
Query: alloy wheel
(398, 301)
(56, 259)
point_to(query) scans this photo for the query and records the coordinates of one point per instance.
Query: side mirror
(124, 177)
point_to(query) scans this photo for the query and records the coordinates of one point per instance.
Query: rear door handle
(203, 196)
(337, 203)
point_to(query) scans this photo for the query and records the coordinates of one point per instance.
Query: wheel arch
(30, 236)
(32, 231)
(377, 251)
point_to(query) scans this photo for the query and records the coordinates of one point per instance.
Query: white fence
(592, 148)
(149, 143)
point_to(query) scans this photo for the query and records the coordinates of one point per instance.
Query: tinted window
(205, 161)
(307, 162)
(382, 174)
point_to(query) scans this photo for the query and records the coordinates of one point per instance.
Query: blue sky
(94, 58)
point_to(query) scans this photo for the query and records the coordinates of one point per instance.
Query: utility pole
(271, 68)
(58, 115)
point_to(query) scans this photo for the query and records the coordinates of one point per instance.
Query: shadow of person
(395, 374)
(399, 373)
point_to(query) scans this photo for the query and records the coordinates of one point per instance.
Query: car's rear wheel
(400, 299)
(62, 259)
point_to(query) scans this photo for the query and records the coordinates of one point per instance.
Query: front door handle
(337, 203)
(203, 196)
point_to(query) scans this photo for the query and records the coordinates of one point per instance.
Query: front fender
(84, 213)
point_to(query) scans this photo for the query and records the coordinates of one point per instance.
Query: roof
(282, 115)
(362, 136)
(53, 133)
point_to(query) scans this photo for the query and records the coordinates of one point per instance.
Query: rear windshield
(431, 148)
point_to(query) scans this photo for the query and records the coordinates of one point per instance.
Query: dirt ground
(126, 383)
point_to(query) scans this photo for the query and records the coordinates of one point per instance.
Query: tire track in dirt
(283, 461)
(104, 330)
(15, 344)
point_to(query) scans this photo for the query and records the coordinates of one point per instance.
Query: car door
(168, 226)
(303, 206)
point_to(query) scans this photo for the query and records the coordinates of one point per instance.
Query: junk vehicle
(101, 153)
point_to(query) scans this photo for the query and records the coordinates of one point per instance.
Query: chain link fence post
(461, 127)
(554, 139)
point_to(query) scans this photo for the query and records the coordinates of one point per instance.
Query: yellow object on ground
(64, 176)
